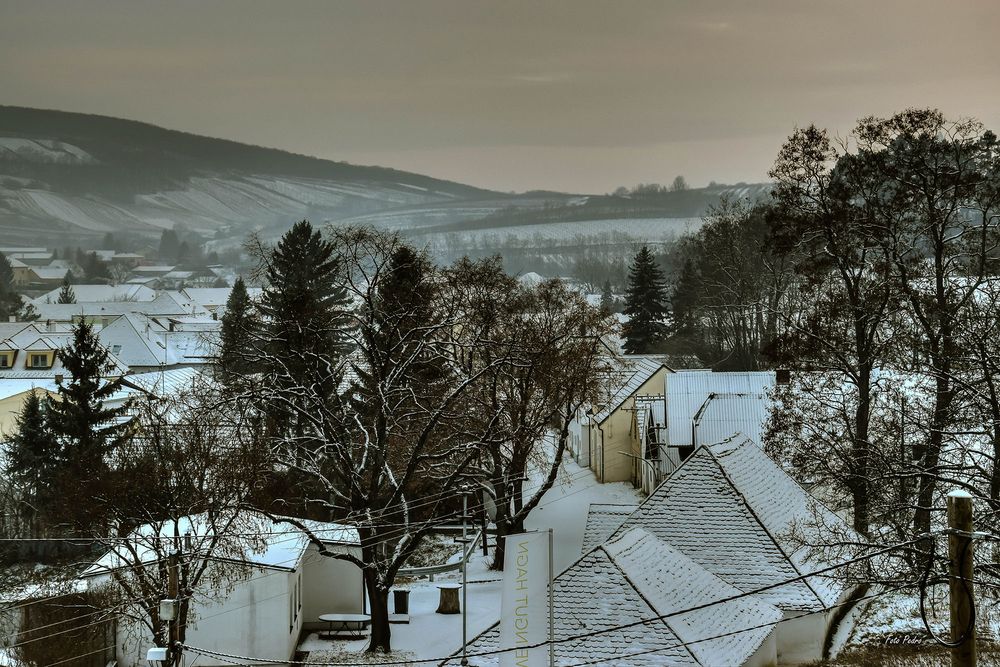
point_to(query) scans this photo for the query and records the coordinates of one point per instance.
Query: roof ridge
(756, 517)
(659, 615)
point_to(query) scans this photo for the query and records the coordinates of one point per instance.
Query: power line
(592, 633)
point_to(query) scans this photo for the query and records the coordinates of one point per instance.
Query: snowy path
(428, 635)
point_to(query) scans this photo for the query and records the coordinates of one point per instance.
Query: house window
(39, 361)
(115, 349)
(5, 361)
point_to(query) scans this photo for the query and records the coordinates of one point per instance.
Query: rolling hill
(68, 175)
(70, 178)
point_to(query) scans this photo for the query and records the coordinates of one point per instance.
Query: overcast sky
(576, 96)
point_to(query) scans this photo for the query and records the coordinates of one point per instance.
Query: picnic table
(353, 624)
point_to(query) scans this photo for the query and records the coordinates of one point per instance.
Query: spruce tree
(86, 431)
(305, 307)
(66, 294)
(31, 461)
(238, 324)
(645, 304)
(404, 303)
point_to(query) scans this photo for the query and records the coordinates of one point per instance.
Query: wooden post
(173, 563)
(960, 553)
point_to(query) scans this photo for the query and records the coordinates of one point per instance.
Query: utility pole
(960, 553)
(173, 565)
(465, 579)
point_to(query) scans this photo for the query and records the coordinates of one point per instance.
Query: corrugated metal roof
(687, 391)
(724, 415)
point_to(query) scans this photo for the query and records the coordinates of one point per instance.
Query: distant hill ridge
(68, 177)
(64, 173)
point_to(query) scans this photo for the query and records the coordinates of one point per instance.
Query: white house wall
(253, 620)
(334, 586)
(800, 640)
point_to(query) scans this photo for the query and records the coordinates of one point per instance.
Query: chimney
(12, 318)
(783, 377)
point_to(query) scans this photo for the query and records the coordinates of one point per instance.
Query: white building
(280, 587)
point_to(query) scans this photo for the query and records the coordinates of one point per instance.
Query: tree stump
(448, 602)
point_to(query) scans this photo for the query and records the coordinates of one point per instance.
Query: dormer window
(6, 359)
(40, 360)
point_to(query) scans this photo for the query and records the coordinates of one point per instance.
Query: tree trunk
(860, 488)
(378, 600)
(931, 458)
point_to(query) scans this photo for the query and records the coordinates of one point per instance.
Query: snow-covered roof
(687, 392)
(167, 382)
(722, 416)
(635, 372)
(49, 272)
(635, 578)
(732, 510)
(215, 297)
(530, 279)
(101, 293)
(602, 522)
(163, 304)
(251, 539)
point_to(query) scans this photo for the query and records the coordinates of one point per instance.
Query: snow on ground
(429, 635)
(892, 623)
(564, 509)
(648, 229)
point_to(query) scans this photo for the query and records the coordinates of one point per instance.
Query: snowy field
(653, 230)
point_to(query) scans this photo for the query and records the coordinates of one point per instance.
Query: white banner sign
(524, 611)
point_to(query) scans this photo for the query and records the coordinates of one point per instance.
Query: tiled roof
(639, 578)
(602, 521)
(732, 510)
(671, 583)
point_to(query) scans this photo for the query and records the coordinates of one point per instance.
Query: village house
(638, 580)
(734, 512)
(277, 586)
(602, 436)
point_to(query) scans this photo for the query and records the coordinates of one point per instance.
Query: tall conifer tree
(66, 294)
(645, 304)
(86, 431)
(238, 324)
(31, 462)
(305, 309)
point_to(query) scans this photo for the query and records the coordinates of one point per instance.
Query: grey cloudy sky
(573, 95)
